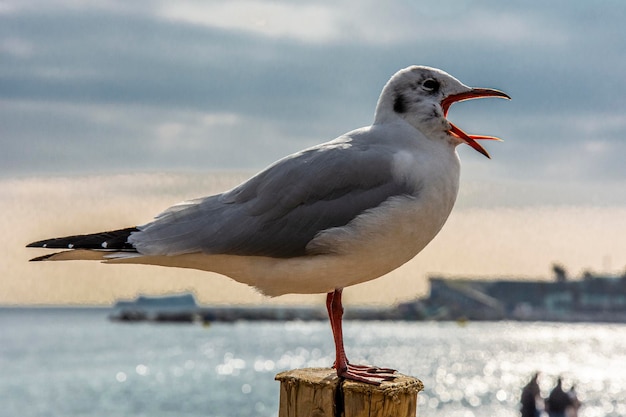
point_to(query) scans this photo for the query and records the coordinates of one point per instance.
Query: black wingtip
(38, 244)
(40, 258)
(112, 240)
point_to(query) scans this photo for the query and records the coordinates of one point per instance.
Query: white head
(422, 96)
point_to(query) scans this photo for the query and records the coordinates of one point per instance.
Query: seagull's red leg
(333, 299)
(363, 373)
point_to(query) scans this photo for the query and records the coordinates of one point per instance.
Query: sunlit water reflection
(72, 363)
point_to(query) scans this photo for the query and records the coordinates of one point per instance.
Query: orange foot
(367, 374)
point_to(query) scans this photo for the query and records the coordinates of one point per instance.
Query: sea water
(75, 362)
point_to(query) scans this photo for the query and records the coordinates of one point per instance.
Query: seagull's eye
(431, 85)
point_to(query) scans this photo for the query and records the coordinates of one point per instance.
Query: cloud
(107, 138)
(113, 85)
(306, 22)
(16, 47)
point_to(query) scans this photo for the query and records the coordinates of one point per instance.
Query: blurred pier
(590, 298)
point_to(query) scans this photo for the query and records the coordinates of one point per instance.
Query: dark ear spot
(399, 104)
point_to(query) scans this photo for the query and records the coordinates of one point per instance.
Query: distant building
(593, 298)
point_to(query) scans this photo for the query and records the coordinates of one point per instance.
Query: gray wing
(280, 210)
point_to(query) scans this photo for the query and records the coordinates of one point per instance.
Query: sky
(141, 104)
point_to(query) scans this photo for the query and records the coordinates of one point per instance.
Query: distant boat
(165, 308)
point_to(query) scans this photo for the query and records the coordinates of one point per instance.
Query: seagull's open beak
(468, 95)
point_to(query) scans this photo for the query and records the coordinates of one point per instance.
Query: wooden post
(318, 392)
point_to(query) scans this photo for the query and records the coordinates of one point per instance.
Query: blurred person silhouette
(531, 397)
(558, 400)
(572, 410)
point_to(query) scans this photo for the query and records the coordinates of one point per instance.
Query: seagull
(322, 219)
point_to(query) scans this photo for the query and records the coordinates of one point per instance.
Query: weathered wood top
(318, 392)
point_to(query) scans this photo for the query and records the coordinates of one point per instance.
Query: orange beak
(469, 95)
